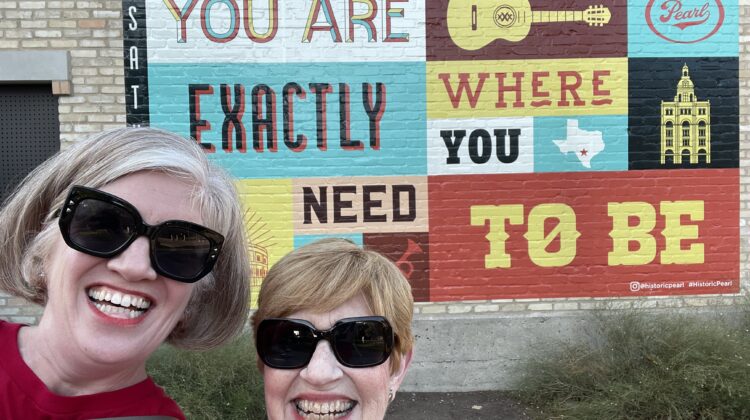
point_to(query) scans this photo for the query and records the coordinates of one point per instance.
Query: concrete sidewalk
(494, 405)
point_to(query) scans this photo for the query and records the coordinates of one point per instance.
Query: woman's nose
(134, 263)
(323, 367)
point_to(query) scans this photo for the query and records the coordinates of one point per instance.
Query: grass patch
(639, 366)
(217, 384)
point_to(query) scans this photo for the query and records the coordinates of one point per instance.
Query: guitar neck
(547, 16)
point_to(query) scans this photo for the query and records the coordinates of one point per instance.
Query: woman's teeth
(118, 303)
(315, 410)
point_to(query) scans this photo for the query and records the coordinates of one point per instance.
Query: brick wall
(92, 33)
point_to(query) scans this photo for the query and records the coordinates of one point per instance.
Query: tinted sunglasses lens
(100, 227)
(361, 343)
(180, 252)
(285, 344)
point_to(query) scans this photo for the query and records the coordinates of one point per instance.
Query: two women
(129, 239)
(333, 333)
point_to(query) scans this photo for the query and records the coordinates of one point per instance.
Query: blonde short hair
(217, 309)
(323, 275)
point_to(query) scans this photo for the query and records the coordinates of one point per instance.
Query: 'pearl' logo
(684, 21)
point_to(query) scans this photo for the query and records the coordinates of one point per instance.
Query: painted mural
(492, 149)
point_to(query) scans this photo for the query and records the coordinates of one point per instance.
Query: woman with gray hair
(128, 239)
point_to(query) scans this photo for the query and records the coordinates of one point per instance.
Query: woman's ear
(398, 376)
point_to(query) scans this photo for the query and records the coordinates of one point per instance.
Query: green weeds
(217, 384)
(636, 365)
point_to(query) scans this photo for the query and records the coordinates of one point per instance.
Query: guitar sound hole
(505, 16)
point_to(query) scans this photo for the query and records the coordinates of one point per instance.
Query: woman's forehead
(354, 307)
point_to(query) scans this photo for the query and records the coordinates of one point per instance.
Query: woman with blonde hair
(333, 333)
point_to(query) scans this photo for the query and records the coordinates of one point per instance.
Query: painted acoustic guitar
(473, 24)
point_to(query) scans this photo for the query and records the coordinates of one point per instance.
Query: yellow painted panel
(504, 88)
(267, 205)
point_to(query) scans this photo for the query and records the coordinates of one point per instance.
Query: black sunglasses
(284, 343)
(103, 225)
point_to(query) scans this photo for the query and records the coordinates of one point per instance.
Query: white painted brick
(34, 44)
(109, 71)
(90, 4)
(565, 306)
(112, 52)
(19, 34)
(51, 15)
(71, 99)
(33, 24)
(8, 5)
(83, 71)
(31, 5)
(107, 126)
(513, 307)
(459, 309)
(101, 118)
(108, 14)
(433, 309)
(48, 33)
(86, 109)
(87, 128)
(9, 43)
(92, 43)
(18, 14)
(62, 24)
(540, 306)
(8, 24)
(99, 80)
(85, 89)
(63, 43)
(81, 54)
(76, 14)
(117, 90)
(102, 33)
(113, 109)
(101, 99)
(73, 118)
(487, 308)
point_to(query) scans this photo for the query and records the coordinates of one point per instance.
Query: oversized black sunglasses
(103, 225)
(284, 343)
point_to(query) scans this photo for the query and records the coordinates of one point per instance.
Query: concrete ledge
(34, 66)
(480, 352)
(476, 352)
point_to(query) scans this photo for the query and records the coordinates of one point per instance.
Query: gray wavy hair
(218, 307)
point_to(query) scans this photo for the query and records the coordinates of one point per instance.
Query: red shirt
(24, 396)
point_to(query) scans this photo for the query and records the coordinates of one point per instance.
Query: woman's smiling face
(119, 310)
(324, 389)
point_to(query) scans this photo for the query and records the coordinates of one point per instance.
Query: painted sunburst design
(259, 241)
